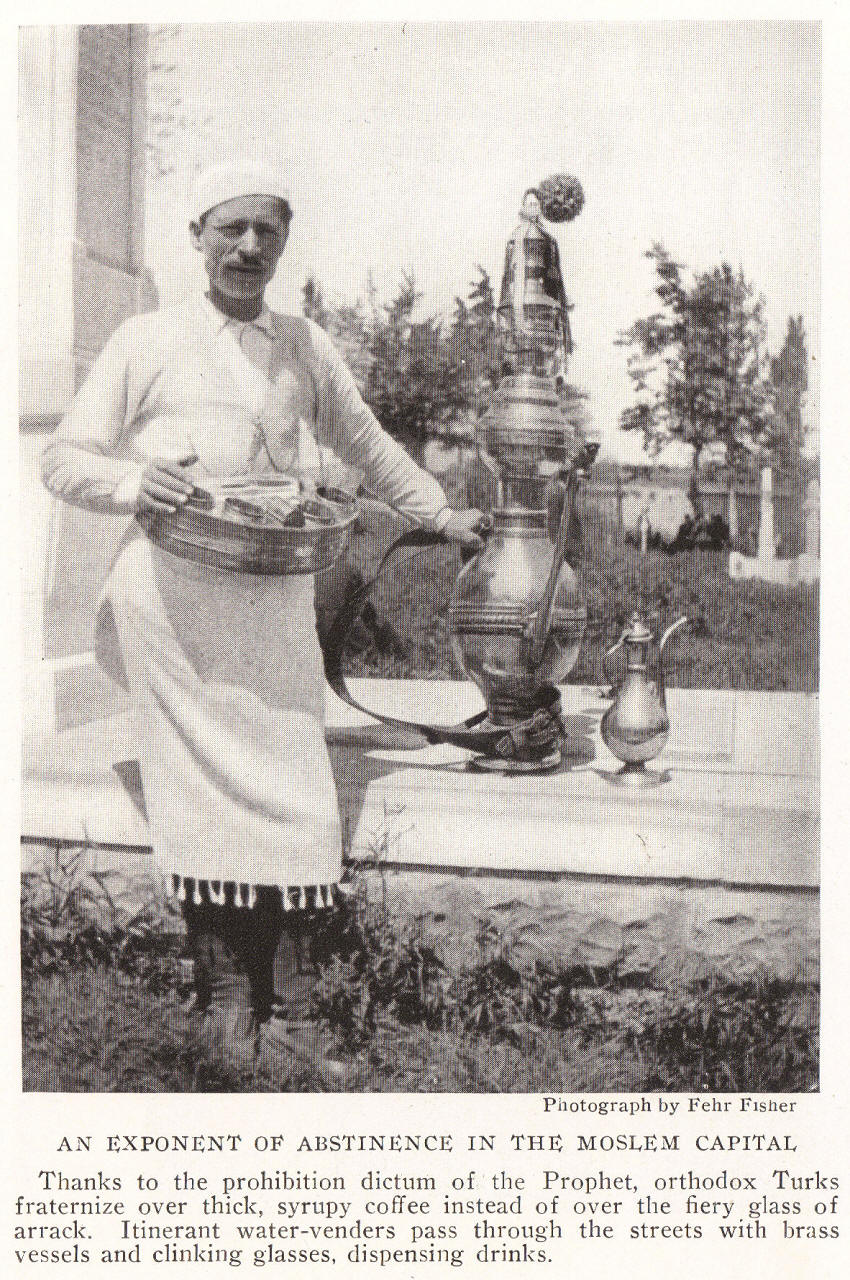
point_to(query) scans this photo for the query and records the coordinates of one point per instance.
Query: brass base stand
(495, 764)
(637, 776)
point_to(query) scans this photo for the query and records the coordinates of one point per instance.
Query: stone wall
(82, 107)
(109, 282)
(82, 126)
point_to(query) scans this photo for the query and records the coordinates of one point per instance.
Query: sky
(408, 148)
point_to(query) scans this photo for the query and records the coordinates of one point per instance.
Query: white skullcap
(229, 181)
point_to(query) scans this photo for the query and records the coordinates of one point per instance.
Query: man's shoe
(226, 1032)
(308, 1044)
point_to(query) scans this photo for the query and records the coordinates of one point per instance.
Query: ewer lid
(636, 630)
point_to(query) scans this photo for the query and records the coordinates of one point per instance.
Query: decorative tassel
(287, 901)
(180, 886)
(252, 895)
(196, 894)
(216, 889)
(302, 899)
(237, 897)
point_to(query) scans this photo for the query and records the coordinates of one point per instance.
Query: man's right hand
(165, 485)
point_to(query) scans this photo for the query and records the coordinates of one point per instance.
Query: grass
(743, 635)
(104, 1011)
(88, 1030)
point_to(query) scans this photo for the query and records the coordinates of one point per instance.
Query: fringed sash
(312, 897)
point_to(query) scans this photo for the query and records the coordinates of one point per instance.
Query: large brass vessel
(517, 617)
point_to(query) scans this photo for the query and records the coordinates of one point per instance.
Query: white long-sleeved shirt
(187, 380)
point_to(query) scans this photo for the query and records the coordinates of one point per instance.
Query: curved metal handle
(659, 663)
(484, 528)
(539, 628)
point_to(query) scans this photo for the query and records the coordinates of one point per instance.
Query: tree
(656, 360)
(313, 304)
(349, 326)
(699, 368)
(460, 320)
(482, 310)
(473, 342)
(414, 382)
(415, 375)
(789, 375)
(728, 393)
(403, 368)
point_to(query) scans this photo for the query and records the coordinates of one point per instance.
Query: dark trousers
(252, 956)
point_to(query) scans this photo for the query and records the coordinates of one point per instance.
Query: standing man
(224, 668)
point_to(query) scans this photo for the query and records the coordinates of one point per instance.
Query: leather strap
(528, 739)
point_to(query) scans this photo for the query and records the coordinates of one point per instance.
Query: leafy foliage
(685, 1021)
(727, 387)
(699, 366)
(724, 1036)
(413, 383)
(656, 360)
(473, 341)
(69, 917)
(418, 377)
(790, 377)
(313, 304)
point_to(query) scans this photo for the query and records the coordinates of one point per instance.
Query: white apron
(226, 675)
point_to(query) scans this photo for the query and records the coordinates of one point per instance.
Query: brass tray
(243, 546)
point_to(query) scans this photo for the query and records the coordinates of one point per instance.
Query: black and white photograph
(420, 524)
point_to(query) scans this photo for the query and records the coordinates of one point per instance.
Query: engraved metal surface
(222, 543)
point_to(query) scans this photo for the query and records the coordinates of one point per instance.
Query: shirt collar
(264, 321)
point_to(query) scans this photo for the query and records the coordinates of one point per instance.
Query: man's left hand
(464, 528)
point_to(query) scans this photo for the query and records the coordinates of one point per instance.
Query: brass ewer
(516, 617)
(636, 726)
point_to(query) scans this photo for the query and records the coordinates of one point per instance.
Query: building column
(82, 127)
(47, 211)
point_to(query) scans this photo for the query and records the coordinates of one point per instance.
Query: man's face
(241, 241)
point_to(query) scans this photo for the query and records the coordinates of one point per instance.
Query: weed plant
(682, 1024)
(103, 1010)
(70, 917)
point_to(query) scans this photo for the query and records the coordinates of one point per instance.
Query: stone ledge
(740, 808)
(566, 923)
(600, 926)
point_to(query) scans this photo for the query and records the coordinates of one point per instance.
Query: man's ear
(195, 234)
